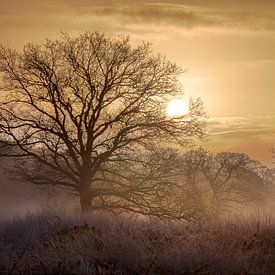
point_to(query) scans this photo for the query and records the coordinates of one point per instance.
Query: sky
(226, 48)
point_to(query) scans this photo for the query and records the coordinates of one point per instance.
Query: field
(47, 243)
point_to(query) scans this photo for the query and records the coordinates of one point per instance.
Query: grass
(47, 243)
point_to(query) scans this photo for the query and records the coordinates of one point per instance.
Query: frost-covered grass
(111, 244)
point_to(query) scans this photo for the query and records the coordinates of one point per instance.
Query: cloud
(217, 124)
(118, 14)
(241, 127)
(159, 14)
(181, 16)
(173, 13)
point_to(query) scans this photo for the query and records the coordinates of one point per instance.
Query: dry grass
(107, 244)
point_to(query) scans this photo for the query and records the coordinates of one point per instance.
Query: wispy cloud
(242, 126)
(218, 124)
(182, 15)
(176, 13)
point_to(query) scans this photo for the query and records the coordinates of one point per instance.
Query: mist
(137, 138)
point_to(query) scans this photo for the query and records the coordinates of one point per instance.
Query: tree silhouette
(213, 184)
(76, 108)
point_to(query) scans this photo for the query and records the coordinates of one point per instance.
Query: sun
(177, 108)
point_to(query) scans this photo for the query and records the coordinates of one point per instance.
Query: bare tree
(75, 108)
(216, 183)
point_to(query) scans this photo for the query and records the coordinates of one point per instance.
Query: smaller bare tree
(216, 183)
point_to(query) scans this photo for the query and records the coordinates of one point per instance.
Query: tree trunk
(85, 198)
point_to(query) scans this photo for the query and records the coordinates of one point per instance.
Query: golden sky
(227, 48)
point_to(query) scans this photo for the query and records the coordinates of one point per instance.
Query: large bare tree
(74, 109)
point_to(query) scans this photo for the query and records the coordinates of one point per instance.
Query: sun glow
(177, 108)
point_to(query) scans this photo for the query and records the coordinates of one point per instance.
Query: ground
(111, 244)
